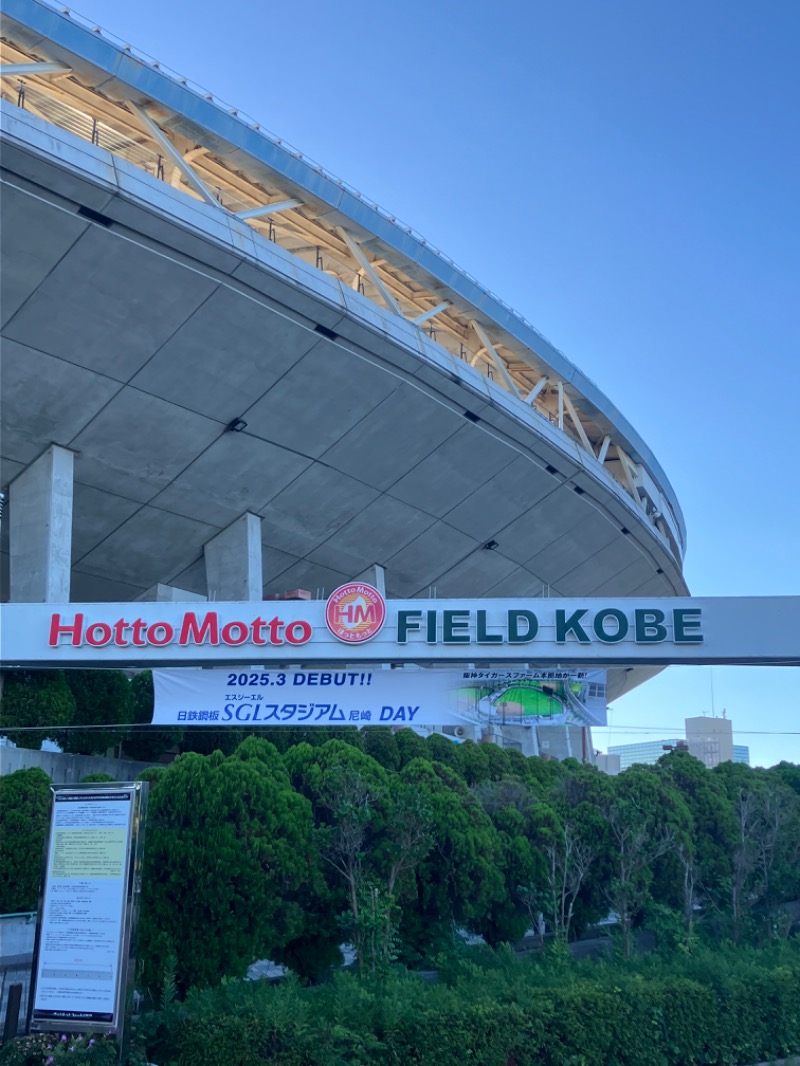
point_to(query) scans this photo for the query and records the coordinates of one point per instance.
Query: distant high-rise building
(710, 740)
(608, 764)
(646, 751)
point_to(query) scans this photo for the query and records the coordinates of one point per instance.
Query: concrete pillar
(376, 576)
(168, 594)
(233, 561)
(40, 529)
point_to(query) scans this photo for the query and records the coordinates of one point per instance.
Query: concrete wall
(17, 934)
(68, 769)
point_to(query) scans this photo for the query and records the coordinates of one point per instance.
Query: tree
(705, 860)
(460, 878)
(767, 847)
(472, 763)
(507, 916)
(39, 698)
(646, 819)
(102, 698)
(410, 745)
(227, 852)
(379, 743)
(25, 800)
(567, 856)
(147, 745)
(372, 831)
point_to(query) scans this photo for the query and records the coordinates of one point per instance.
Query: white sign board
(377, 697)
(366, 629)
(82, 938)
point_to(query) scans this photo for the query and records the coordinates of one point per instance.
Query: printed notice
(83, 918)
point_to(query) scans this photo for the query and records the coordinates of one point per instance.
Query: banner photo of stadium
(379, 697)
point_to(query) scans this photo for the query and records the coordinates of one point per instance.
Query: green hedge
(739, 1008)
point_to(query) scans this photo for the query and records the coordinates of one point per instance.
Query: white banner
(378, 697)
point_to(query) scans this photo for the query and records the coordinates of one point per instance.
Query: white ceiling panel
(95, 515)
(373, 536)
(499, 501)
(225, 356)
(46, 400)
(546, 521)
(236, 473)
(430, 554)
(109, 304)
(318, 400)
(36, 235)
(139, 443)
(520, 582)
(316, 505)
(441, 480)
(592, 532)
(600, 567)
(393, 438)
(475, 575)
(151, 546)
(90, 588)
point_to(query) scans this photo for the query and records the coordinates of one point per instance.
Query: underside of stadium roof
(292, 202)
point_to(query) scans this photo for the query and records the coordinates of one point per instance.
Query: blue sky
(625, 175)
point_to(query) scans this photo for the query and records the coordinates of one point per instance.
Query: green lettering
(407, 622)
(684, 621)
(453, 625)
(515, 616)
(483, 636)
(650, 628)
(565, 625)
(431, 637)
(620, 630)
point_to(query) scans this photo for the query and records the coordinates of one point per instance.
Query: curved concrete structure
(216, 327)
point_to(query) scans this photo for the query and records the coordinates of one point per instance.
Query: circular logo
(355, 612)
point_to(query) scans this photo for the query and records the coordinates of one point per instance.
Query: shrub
(35, 698)
(102, 697)
(24, 816)
(513, 1013)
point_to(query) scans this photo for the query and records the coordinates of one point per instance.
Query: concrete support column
(40, 529)
(233, 561)
(376, 576)
(161, 593)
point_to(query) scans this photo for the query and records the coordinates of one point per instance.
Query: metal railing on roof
(254, 125)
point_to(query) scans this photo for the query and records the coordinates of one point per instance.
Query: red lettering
(227, 633)
(119, 628)
(137, 630)
(167, 634)
(355, 614)
(57, 630)
(298, 632)
(101, 628)
(275, 626)
(258, 631)
(196, 633)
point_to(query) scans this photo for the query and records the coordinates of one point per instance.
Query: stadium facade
(228, 375)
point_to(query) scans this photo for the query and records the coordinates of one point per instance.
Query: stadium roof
(173, 271)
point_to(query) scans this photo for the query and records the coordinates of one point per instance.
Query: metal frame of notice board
(88, 906)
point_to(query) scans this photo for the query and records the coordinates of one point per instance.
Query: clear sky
(625, 175)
